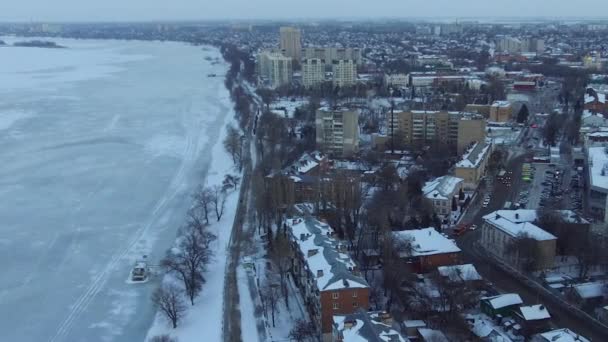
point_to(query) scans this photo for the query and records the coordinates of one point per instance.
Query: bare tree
(203, 197)
(281, 257)
(233, 144)
(303, 331)
(270, 297)
(218, 200)
(190, 258)
(162, 338)
(168, 298)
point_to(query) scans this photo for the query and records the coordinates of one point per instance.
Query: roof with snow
(325, 256)
(534, 312)
(503, 300)
(367, 327)
(562, 335)
(441, 188)
(531, 215)
(590, 290)
(459, 273)
(502, 104)
(432, 335)
(474, 155)
(518, 226)
(427, 241)
(598, 165)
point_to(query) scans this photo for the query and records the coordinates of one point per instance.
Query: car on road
(473, 227)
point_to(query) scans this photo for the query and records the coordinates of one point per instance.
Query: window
(355, 305)
(354, 294)
(335, 295)
(336, 306)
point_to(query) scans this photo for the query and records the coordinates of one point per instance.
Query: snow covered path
(101, 145)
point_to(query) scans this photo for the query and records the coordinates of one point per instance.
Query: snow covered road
(100, 146)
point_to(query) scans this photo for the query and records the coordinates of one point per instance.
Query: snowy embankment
(203, 321)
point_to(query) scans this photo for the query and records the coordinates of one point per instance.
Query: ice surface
(101, 145)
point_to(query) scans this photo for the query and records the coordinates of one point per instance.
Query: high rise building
(453, 129)
(344, 72)
(291, 42)
(329, 53)
(274, 68)
(337, 131)
(313, 72)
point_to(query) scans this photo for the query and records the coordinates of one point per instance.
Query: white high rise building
(344, 72)
(313, 72)
(275, 68)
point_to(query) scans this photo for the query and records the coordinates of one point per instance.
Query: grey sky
(121, 10)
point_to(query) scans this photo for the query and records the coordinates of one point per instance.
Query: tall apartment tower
(337, 131)
(313, 72)
(291, 42)
(275, 68)
(344, 71)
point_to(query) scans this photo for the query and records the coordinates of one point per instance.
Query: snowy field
(101, 145)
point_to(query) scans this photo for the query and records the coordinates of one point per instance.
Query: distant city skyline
(151, 10)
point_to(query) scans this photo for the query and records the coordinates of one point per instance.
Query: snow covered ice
(101, 145)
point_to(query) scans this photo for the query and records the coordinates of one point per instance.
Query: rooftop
(590, 290)
(459, 273)
(534, 312)
(427, 241)
(442, 187)
(474, 155)
(325, 256)
(516, 228)
(504, 300)
(598, 167)
(367, 327)
(563, 335)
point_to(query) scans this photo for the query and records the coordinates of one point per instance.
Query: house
(328, 279)
(559, 335)
(595, 101)
(431, 335)
(411, 328)
(472, 167)
(488, 330)
(504, 229)
(441, 192)
(426, 249)
(533, 318)
(588, 295)
(503, 305)
(362, 326)
(461, 274)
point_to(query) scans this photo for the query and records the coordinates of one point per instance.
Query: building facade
(333, 53)
(274, 68)
(426, 249)
(291, 42)
(344, 72)
(337, 131)
(313, 72)
(501, 111)
(474, 163)
(441, 191)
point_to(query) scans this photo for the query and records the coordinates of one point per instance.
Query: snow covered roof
(427, 241)
(458, 273)
(306, 162)
(432, 335)
(502, 104)
(367, 327)
(601, 98)
(534, 312)
(598, 162)
(590, 290)
(473, 157)
(531, 215)
(504, 300)
(483, 327)
(562, 335)
(516, 228)
(325, 256)
(442, 187)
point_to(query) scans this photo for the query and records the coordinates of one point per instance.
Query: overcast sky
(126, 10)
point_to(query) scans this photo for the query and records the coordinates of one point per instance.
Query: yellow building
(472, 167)
(501, 111)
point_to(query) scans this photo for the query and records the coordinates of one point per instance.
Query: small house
(533, 318)
(503, 305)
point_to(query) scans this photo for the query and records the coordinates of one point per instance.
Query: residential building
(329, 53)
(337, 131)
(328, 279)
(291, 42)
(441, 192)
(344, 72)
(595, 101)
(431, 335)
(509, 44)
(559, 335)
(501, 111)
(482, 109)
(461, 274)
(274, 68)
(501, 231)
(396, 80)
(313, 72)
(597, 180)
(454, 129)
(533, 319)
(503, 305)
(361, 326)
(474, 163)
(588, 296)
(426, 249)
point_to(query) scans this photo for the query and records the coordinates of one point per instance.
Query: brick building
(426, 249)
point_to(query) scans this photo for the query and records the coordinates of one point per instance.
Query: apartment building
(313, 72)
(337, 131)
(455, 129)
(274, 69)
(502, 228)
(327, 277)
(396, 80)
(597, 180)
(440, 193)
(344, 72)
(474, 163)
(291, 42)
(501, 111)
(333, 53)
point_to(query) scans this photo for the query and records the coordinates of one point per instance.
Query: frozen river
(100, 146)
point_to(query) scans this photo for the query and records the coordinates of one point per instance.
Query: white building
(441, 191)
(329, 53)
(344, 72)
(274, 68)
(313, 72)
(396, 80)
